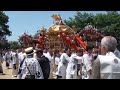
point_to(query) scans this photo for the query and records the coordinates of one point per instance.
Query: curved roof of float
(57, 28)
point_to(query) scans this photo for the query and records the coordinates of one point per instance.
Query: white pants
(61, 71)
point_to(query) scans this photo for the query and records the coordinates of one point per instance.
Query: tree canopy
(4, 28)
(108, 23)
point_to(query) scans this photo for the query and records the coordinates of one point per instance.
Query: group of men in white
(67, 65)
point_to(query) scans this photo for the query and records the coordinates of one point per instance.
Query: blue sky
(31, 21)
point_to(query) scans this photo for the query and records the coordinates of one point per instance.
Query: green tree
(14, 44)
(80, 20)
(108, 23)
(4, 28)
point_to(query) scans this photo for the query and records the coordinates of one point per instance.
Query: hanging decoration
(41, 41)
(69, 41)
(80, 41)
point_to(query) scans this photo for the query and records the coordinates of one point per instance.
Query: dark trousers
(14, 66)
(78, 68)
(59, 77)
(7, 64)
(1, 69)
(78, 71)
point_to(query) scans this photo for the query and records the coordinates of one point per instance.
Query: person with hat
(31, 68)
(107, 65)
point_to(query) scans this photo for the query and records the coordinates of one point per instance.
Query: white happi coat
(57, 60)
(87, 65)
(33, 66)
(64, 59)
(20, 57)
(49, 57)
(109, 66)
(14, 58)
(71, 71)
(15, 61)
(44, 54)
(8, 57)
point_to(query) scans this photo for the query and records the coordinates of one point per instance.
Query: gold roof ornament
(59, 26)
(56, 17)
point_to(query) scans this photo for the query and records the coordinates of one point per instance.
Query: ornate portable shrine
(53, 39)
(91, 36)
(59, 36)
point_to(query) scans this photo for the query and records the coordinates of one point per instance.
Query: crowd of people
(93, 63)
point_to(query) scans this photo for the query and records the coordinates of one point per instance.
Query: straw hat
(29, 51)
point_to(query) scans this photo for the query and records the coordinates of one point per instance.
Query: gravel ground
(7, 72)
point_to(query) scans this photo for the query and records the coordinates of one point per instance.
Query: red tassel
(72, 44)
(80, 41)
